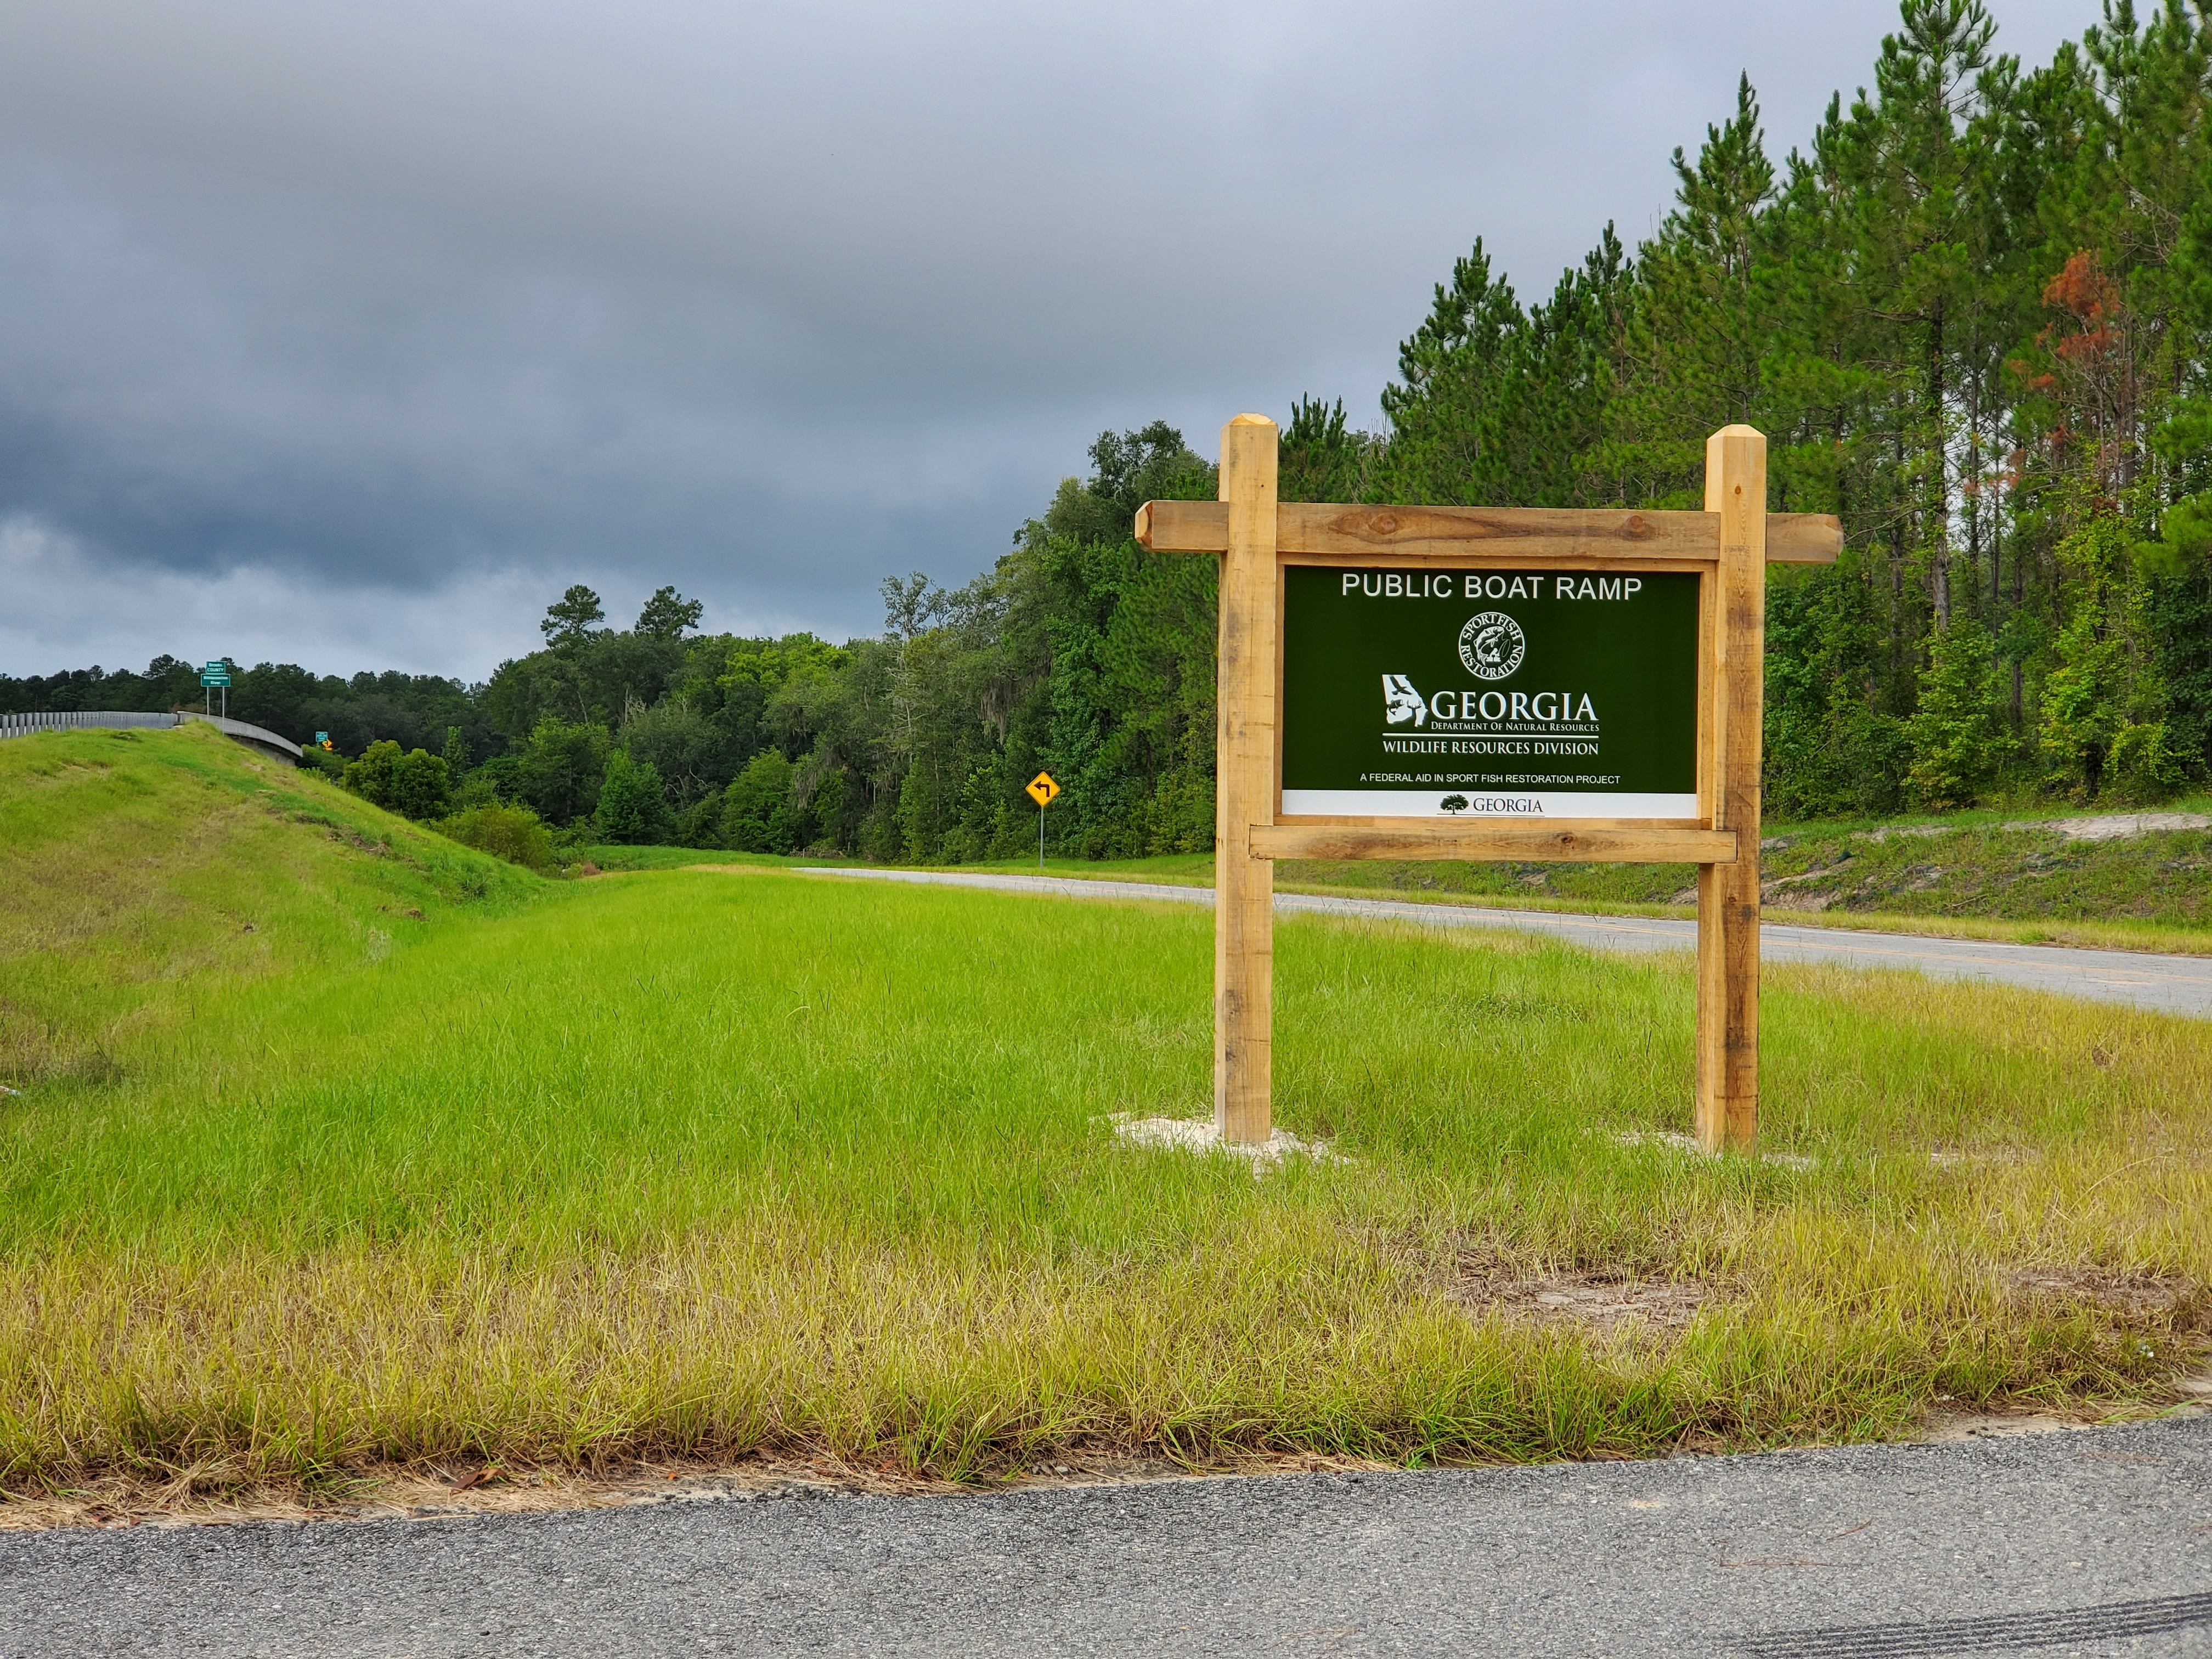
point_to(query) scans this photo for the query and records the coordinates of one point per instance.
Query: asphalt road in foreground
(2174, 985)
(2091, 1542)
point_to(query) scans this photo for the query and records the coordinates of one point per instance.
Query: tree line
(1970, 312)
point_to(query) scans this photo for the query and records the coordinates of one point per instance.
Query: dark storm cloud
(351, 334)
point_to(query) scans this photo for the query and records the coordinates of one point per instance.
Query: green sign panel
(216, 673)
(1489, 693)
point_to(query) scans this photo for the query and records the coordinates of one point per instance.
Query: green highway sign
(216, 673)
(1429, 693)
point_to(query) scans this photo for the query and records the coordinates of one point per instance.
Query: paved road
(2179, 985)
(2094, 1542)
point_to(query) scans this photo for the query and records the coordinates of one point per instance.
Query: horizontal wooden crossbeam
(1328, 530)
(1561, 840)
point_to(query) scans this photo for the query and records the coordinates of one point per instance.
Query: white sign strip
(1471, 803)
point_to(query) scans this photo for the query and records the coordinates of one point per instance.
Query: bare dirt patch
(1894, 831)
(1188, 1135)
(2116, 826)
(2137, 1300)
(1607, 1301)
(441, 1491)
(1785, 890)
(1947, 1424)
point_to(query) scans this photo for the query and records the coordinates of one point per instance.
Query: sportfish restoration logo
(1492, 645)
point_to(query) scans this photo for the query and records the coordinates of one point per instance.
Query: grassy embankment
(146, 875)
(693, 1163)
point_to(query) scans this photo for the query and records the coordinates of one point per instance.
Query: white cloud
(416, 308)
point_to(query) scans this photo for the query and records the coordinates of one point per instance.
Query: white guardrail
(70, 720)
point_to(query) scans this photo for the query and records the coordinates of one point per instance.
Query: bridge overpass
(254, 736)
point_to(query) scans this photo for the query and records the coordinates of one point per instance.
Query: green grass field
(703, 1162)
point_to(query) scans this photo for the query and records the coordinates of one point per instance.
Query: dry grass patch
(1604, 1302)
(2159, 1303)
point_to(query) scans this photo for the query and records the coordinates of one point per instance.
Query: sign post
(216, 674)
(1043, 791)
(1414, 682)
(1244, 795)
(1727, 893)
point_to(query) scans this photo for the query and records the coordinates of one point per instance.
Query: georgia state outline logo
(1492, 645)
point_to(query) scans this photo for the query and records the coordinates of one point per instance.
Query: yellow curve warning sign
(1042, 790)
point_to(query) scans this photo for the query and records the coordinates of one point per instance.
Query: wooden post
(1244, 885)
(1727, 894)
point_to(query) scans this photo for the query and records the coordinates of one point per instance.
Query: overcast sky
(350, 334)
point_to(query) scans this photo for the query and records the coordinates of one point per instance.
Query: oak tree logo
(1492, 645)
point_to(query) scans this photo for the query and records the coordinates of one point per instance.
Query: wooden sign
(1488, 694)
(1489, 683)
